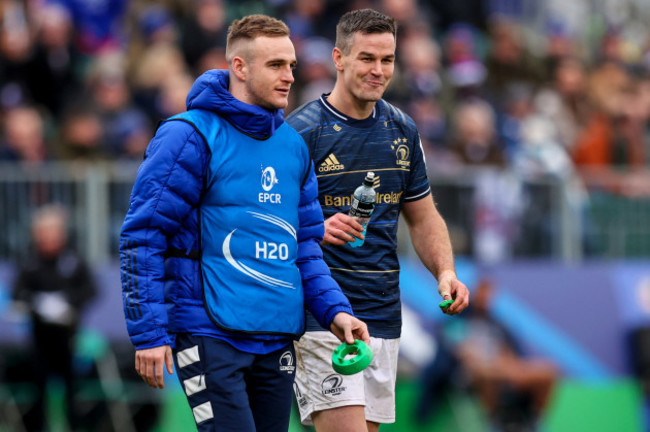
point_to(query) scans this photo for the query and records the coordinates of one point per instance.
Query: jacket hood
(210, 92)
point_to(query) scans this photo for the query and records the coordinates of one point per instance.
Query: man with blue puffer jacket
(220, 247)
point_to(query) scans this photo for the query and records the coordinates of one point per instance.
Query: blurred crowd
(554, 90)
(539, 87)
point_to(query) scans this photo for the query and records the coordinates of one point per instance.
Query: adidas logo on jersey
(331, 163)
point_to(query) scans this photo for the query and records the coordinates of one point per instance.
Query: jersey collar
(363, 123)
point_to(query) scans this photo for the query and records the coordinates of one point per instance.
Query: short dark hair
(252, 26)
(366, 21)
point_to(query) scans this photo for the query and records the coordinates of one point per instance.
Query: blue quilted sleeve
(323, 296)
(168, 185)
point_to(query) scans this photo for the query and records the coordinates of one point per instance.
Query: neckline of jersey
(360, 123)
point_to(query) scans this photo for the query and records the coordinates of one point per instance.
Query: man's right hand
(341, 229)
(348, 328)
(149, 364)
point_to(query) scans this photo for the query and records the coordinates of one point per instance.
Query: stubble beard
(261, 101)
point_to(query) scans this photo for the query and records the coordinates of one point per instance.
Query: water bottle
(363, 204)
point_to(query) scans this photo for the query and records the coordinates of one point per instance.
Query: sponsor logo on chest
(269, 179)
(331, 163)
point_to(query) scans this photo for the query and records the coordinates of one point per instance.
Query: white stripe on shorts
(188, 356)
(202, 412)
(194, 385)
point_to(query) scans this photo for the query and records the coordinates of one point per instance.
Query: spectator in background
(54, 70)
(405, 12)
(493, 222)
(448, 13)
(464, 69)
(416, 87)
(474, 140)
(152, 25)
(173, 93)
(417, 78)
(150, 73)
(305, 19)
(421, 66)
(611, 148)
(464, 73)
(110, 98)
(202, 36)
(23, 143)
(517, 106)
(430, 118)
(564, 101)
(80, 135)
(539, 153)
(15, 53)
(131, 134)
(315, 71)
(610, 48)
(154, 58)
(560, 43)
(508, 60)
(595, 145)
(513, 388)
(24, 136)
(497, 367)
(157, 25)
(98, 24)
(54, 285)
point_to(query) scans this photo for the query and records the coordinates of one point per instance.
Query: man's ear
(239, 68)
(337, 57)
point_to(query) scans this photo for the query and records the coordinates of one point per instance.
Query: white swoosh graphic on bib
(276, 221)
(261, 277)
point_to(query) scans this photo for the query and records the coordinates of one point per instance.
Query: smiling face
(268, 70)
(368, 68)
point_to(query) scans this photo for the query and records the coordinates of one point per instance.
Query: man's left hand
(451, 288)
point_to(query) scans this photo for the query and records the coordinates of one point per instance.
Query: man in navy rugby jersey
(220, 247)
(351, 131)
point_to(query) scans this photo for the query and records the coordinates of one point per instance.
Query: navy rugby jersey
(344, 150)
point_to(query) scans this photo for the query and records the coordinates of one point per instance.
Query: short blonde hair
(250, 27)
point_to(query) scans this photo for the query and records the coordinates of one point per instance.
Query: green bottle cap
(445, 304)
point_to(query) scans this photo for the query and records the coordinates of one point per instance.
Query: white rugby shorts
(318, 387)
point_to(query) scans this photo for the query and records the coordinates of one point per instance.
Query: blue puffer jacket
(159, 246)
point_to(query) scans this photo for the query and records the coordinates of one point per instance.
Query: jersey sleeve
(418, 184)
